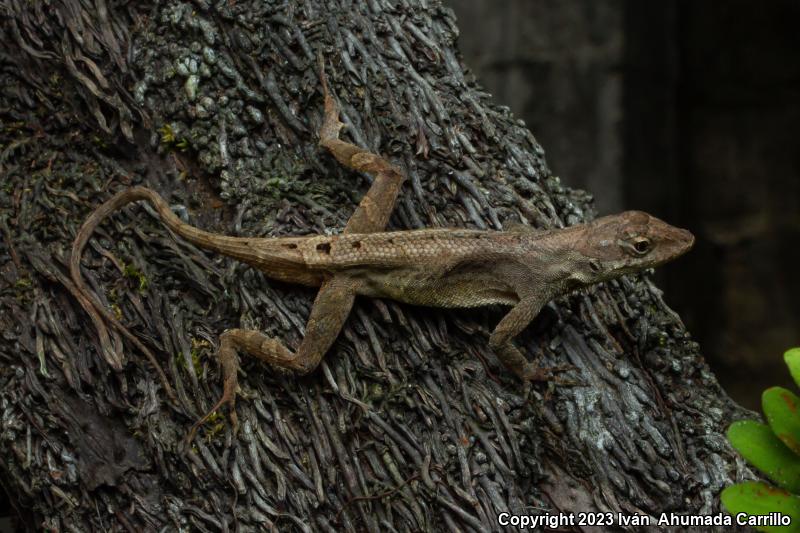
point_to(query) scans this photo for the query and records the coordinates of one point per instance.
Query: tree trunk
(410, 423)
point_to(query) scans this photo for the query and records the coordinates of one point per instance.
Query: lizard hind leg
(253, 343)
(328, 314)
(373, 212)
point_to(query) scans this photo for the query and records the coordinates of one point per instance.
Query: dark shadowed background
(689, 110)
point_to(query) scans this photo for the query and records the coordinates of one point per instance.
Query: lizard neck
(563, 259)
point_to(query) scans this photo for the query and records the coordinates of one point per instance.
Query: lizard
(439, 267)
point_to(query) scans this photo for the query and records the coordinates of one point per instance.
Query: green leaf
(781, 409)
(757, 498)
(792, 358)
(759, 445)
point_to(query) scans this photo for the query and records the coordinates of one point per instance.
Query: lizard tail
(281, 258)
(272, 255)
(89, 301)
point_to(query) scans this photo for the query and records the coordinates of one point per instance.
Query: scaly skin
(432, 267)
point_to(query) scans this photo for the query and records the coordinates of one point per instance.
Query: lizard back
(399, 249)
(436, 267)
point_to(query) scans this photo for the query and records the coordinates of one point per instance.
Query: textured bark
(410, 423)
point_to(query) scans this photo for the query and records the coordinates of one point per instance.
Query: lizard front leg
(335, 297)
(501, 341)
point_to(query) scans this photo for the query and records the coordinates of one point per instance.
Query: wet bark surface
(410, 423)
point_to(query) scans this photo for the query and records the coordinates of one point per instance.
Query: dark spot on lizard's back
(356, 244)
(391, 240)
(290, 245)
(324, 247)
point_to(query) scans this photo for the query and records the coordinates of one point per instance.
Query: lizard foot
(547, 374)
(230, 366)
(229, 397)
(273, 352)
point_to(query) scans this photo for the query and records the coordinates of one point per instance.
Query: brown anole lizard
(432, 267)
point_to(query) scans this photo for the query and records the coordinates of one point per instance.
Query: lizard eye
(594, 266)
(641, 246)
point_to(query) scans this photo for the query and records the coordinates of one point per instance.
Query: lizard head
(628, 242)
